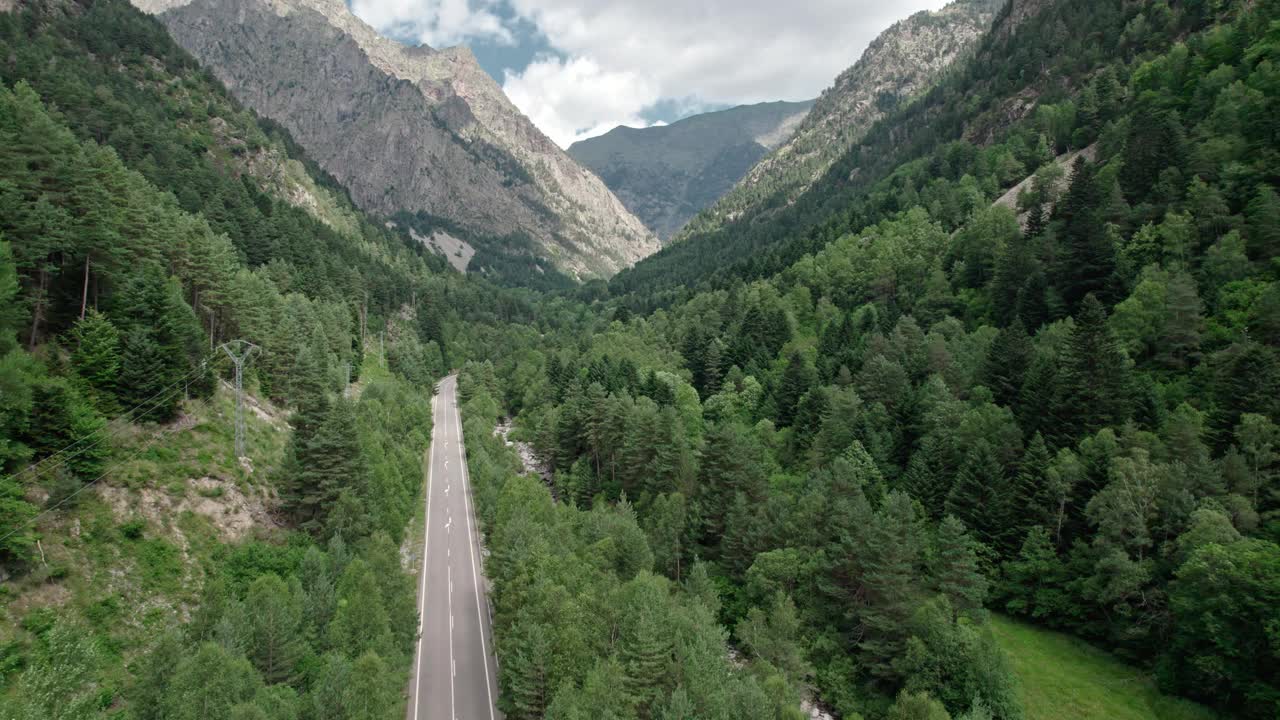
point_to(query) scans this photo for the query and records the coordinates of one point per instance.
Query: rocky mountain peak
(410, 129)
(901, 62)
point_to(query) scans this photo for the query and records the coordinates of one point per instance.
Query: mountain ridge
(767, 208)
(900, 62)
(665, 174)
(408, 129)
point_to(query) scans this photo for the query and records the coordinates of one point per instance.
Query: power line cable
(154, 438)
(43, 464)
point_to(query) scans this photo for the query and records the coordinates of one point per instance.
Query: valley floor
(1063, 677)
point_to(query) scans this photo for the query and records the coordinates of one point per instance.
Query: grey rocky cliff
(408, 129)
(900, 63)
(667, 174)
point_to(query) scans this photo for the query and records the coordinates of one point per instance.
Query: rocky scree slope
(666, 174)
(408, 129)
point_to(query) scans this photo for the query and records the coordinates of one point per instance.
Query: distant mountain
(667, 174)
(410, 130)
(897, 67)
(901, 62)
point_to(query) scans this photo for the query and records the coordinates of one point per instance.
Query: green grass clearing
(1062, 677)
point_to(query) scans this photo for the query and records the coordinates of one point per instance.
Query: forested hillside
(920, 404)
(802, 464)
(145, 218)
(146, 571)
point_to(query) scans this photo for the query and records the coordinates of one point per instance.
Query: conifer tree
(275, 615)
(10, 308)
(208, 683)
(774, 637)
(326, 463)
(1033, 502)
(1087, 262)
(796, 381)
(892, 561)
(1006, 364)
(1093, 386)
(1179, 342)
(1246, 379)
(1032, 580)
(147, 378)
(1263, 223)
(926, 478)
(732, 462)
(95, 355)
(645, 641)
(1156, 142)
(955, 567)
(526, 673)
(981, 496)
(360, 623)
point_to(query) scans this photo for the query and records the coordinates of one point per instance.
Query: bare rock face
(903, 61)
(408, 129)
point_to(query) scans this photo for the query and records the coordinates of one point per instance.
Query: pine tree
(146, 378)
(981, 496)
(774, 637)
(1033, 503)
(713, 367)
(666, 527)
(10, 308)
(955, 567)
(1156, 142)
(1262, 223)
(1093, 388)
(325, 463)
(1032, 581)
(1087, 263)
(155, 326)
(1015, 264)
(892, 563)
(926, 478)
(694, 349)
(275, 614)
(1006, 364)
(1179, 343)
(1246, 379)
(732, 463)
(361, 623)
(1039, 389)
(797, 378)
(95, 355)
(645, 642)
(1032, 304)
(208, 683)
(526, 672)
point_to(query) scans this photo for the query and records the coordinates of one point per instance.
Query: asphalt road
(455, 676)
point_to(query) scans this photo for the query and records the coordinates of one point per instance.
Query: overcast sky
(578, 68)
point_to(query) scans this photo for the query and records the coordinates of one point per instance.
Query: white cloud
(624, 55)
(574, 99)
(721, 51)
(438, 23)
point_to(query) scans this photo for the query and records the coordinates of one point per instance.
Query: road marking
(471, 546)
(422, 601)
(453, 667)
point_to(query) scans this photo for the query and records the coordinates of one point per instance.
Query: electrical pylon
(240, 351)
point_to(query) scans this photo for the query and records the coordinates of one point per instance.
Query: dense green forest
(802, 458)
(143, 221)
(915, 405)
